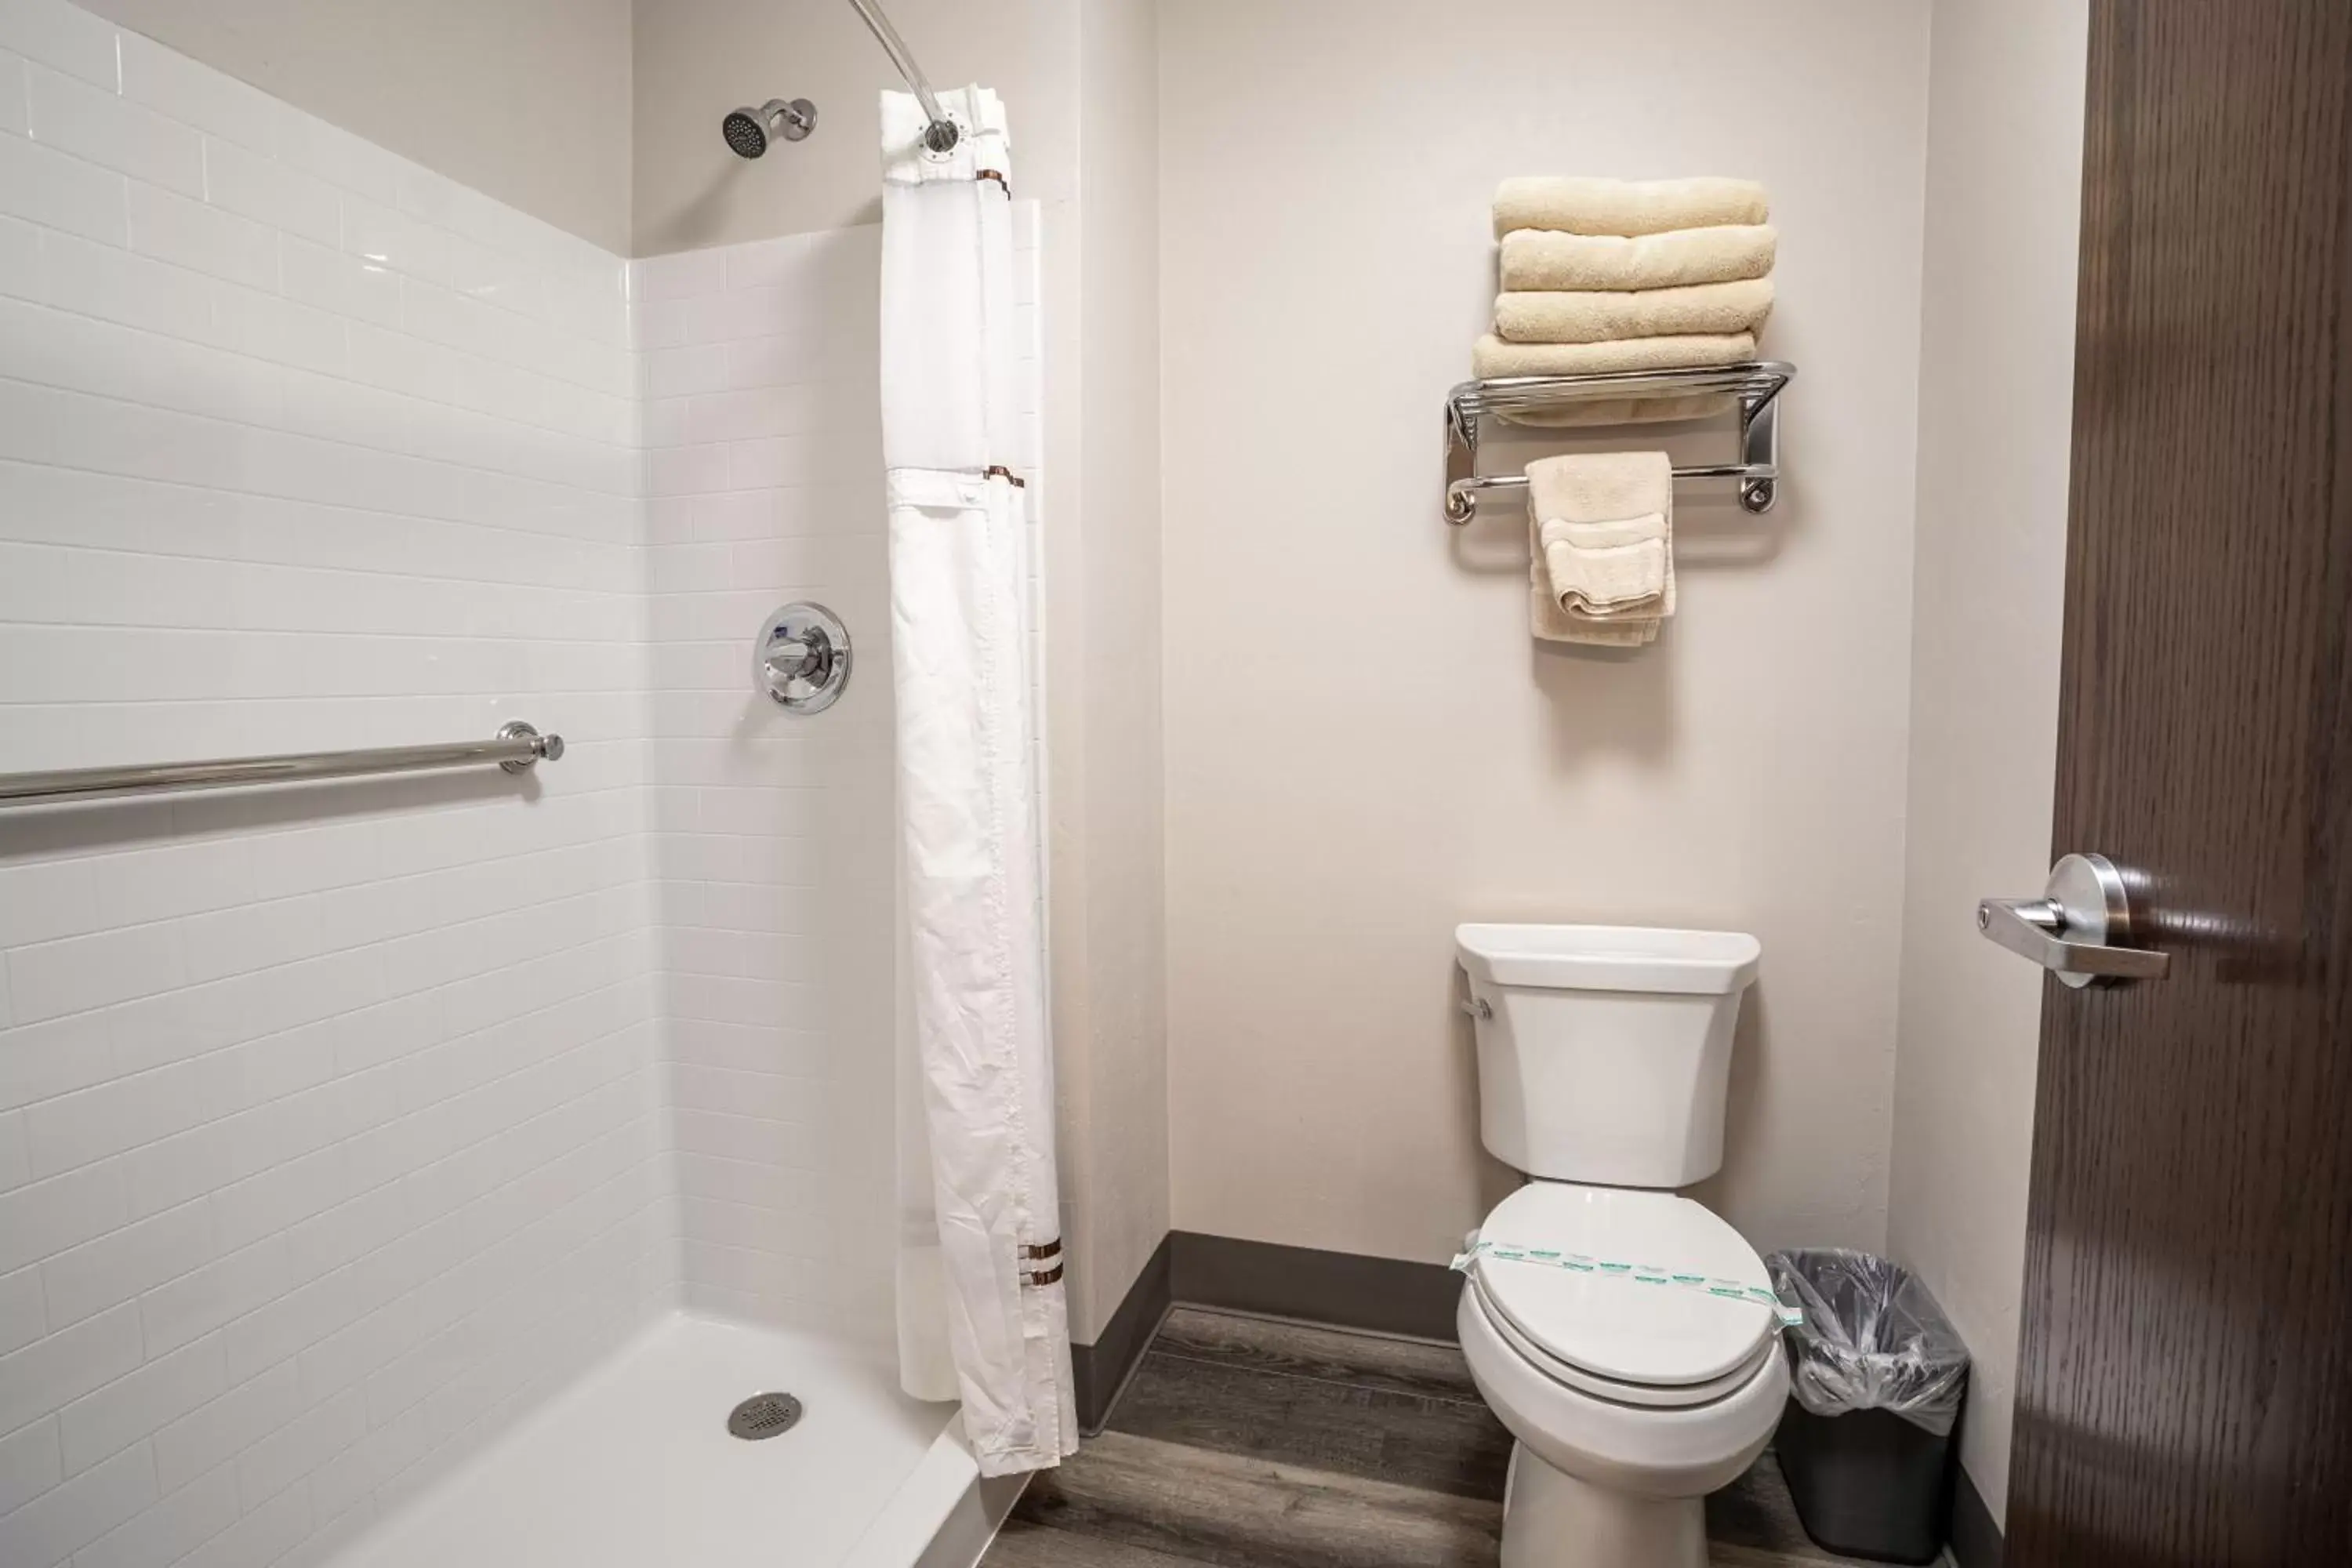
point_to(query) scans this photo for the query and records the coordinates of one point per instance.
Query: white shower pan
(634, 1465)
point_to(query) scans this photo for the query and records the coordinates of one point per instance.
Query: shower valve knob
(789, 659)
(802, 657)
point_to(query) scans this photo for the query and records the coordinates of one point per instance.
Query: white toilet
(1603, 1054)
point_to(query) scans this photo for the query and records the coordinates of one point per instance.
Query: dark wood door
(2185, 1396)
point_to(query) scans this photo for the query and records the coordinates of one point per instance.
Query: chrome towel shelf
(516, 747)
(1756, 385)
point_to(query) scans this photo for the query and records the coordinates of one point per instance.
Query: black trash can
(1876, 1379)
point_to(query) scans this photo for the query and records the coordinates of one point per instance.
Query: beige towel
(1492, 357)
(1698, 309)
(1625, 206)
(1536, 258)
(1626, 411)
(1569, 501)
(1550, 623)
(1607, 570)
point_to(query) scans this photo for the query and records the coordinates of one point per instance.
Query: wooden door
(2185, 1396)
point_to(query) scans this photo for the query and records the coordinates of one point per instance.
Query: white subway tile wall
(773, 831)
(337, 1126)
(332, 1128)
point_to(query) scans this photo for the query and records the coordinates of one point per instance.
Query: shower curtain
(980, 1308)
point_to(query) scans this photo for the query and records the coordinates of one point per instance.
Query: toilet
(1635, 1373)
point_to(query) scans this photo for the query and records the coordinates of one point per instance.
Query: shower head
(749, 131)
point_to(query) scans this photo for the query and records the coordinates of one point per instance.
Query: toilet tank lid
(1609, 958)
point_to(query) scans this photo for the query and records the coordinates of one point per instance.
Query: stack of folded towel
(1601, 525)
(1616, 275)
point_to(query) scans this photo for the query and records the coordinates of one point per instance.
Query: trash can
(1876, 1378)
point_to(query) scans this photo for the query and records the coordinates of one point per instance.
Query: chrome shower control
(802, 657)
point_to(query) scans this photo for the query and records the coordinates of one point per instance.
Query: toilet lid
(1612, 1326)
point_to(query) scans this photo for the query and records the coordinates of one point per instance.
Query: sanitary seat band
(1633, 1273)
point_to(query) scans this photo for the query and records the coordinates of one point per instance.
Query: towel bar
(1756, 385)
(516, 748)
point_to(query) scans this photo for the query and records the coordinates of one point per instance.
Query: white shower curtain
(981, 1307)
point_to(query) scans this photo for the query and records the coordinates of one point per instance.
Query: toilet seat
(1654, 1396)
(1613, 1337)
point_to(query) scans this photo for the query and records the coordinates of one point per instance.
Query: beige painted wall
(696, 59)
(1364, 747)
(527, 101)
(2004, 191)
(1104, 647)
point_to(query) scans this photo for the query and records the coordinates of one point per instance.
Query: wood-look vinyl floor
(1242, 1443)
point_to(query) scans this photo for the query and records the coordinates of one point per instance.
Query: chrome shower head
(749, 131)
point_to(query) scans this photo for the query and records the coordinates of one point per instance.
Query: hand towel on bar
(1607, 570)
(1625, 206)
(1594, 317)
(1494, 357)
(1572, 503)
(1538, 259)
(1550, 623)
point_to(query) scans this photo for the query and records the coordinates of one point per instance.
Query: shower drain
(763, 1415)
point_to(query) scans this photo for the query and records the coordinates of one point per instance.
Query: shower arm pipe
(942, 135)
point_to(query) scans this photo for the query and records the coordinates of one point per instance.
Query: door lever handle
(2077, 928)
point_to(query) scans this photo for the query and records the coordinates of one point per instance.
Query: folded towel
(1550, 623)
(1588, 316)
(1627, 411)
(1535, 259)
(1625, 206)
(1605, 570)
(1601, 525)
(1494, 357)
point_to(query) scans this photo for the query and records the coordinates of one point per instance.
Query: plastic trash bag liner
(1873, 1339)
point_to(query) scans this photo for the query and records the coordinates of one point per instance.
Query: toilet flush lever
(2079, 929)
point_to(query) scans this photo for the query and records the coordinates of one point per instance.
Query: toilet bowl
(1623, 1333)
(1629, 1402)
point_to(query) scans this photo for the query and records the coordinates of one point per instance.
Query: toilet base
(1551, 1520)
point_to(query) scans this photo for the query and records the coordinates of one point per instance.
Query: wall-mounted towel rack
(1756, 385)
(516, 748)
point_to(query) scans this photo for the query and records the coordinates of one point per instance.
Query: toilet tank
(1604, 1051)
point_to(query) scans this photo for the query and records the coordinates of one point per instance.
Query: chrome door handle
(2079, 929)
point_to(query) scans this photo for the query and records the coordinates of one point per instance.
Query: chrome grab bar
(517, 748)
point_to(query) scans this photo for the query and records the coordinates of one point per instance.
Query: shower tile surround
(772, 832)
(338, 1128)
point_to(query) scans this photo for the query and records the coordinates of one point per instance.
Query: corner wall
(1996, 341)
(1109, 948)
(1364, 748)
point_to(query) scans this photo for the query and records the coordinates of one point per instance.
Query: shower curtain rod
(941, 136)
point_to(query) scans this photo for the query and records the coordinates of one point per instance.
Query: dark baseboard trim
(1975, 1539)
(1378, 1295)
(1098, 1370)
